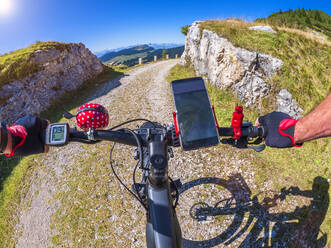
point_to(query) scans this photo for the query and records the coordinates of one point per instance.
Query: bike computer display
(196, 121)
(57, 134)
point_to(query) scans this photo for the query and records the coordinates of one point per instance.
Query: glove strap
(4, 137)
(283, 125)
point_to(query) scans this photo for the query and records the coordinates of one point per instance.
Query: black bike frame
(162, 228)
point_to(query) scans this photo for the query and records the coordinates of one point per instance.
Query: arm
(283, 131)
(316, 124)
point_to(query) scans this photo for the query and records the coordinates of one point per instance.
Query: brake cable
(120, 181)
(177, 192)
(137, 196)
(133, 120)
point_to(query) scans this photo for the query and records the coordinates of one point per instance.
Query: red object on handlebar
(174, 114)
(92, 115)
(237, 120)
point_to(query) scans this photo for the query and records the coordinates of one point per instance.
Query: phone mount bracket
(174, 115)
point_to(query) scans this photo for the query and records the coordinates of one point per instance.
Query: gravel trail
(74, 200)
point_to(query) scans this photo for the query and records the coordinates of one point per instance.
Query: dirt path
(74, 200)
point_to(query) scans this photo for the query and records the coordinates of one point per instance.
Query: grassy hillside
(277, 168)
(126, 52)
(301, 19)
(306, 72)
(17, 65)
(15, 173)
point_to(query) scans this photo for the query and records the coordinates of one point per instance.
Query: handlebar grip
(251, 131)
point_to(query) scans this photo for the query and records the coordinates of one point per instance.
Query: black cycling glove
(27, 133)
(280, 129)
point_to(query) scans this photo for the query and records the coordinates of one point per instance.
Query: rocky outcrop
(61, 71)
(227, 66)
(288, 105)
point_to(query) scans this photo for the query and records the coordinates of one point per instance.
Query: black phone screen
(195, 118)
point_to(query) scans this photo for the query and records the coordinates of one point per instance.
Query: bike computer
(196, 122)
(57, 134)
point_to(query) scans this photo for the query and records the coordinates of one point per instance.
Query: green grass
(306, 72)
(285, 167)
(15, 173)
(17, 65)
(75, 98)
(302, 19)
(178, 72)
(12, 189)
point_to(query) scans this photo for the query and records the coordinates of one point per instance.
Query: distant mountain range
(154, 45)
(130, 56)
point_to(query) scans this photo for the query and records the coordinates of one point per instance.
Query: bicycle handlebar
(251, 131)
(108, 135)
(126, 138)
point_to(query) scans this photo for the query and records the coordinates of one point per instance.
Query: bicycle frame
(155, 191)
(162, 227)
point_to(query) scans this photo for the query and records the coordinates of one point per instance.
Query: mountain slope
(301, 19)
(154, 45)
(126, 52)
(307, 76)
(130, 56)
(306, 69)
(18, 64)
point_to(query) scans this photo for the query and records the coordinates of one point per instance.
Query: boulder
(288, 105)
(61, 71)
(248, 73)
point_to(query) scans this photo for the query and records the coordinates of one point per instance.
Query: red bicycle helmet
(92, 115)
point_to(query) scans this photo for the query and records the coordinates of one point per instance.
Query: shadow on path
(299, 228)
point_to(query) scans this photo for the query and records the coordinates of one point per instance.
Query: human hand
(280, 129)
(26, 136)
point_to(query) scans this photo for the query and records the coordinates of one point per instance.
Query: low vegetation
(184, 29)
(15, 173)
(301, 19)
(17, 65)
(306, 72)
(283, 167)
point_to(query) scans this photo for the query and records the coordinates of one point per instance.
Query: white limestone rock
(62, 71)
(267, 29)
(225, 65)
(288, 105)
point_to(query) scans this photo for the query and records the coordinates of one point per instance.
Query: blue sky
(111, 24)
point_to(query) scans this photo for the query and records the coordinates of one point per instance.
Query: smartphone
(196, 122)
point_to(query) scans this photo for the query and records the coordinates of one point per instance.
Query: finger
(46, 149)
(44, 123)
(257, 123)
